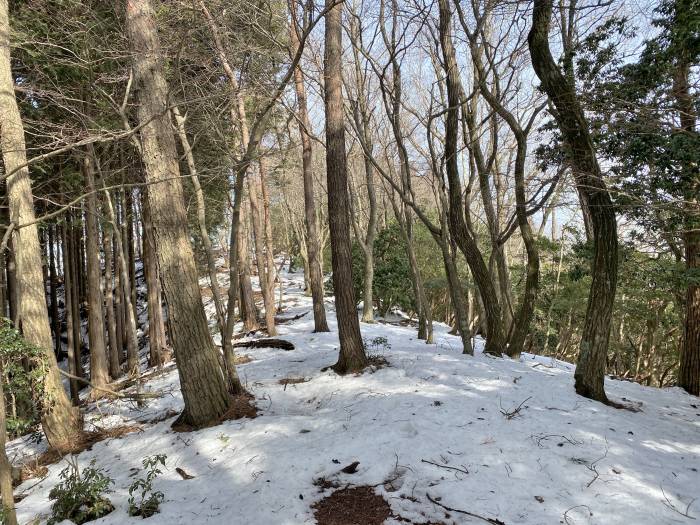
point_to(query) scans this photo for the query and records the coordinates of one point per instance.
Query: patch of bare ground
(243, 359)
(352, 506)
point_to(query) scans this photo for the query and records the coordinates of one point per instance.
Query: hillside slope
(509, 441)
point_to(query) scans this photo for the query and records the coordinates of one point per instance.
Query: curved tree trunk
(496, 338)
(203, 386)
(590, 370)
(61, 422)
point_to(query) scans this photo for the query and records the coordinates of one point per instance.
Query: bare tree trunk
(69, 312)
(158, 353)
(61, 422)
(76, 267)
(269, 252)
(99, 371)
(315, 272)
(129, 325)
(53, 287)
(255, 213)
(114, 348)
(495, 342)
(590, 370)
(201, 220)
(352, 356)
(248, 308)
(203, 386)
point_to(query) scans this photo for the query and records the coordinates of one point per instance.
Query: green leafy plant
(79, 497)
(23, 370)
(141, 490)
(376, 345)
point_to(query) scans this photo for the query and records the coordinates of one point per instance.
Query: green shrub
(148, 499)
(79, 498)
(23, 370)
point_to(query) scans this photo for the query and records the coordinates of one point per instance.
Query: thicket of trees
(524, 172)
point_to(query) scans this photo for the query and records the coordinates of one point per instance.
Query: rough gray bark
(203, 386)
(99, 371)
(352, 356)
(114, 348)
(314, 273)
(590, 370)
(60, 421)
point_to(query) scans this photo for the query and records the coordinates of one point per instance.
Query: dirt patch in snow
(352, 506)
(265, 343)
(242, 406)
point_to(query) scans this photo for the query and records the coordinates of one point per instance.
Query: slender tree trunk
(129, 324)
(53, 278)
(203, 386)
(248, 310)
(352, 356)
(99, 369)
(114, 345)
(76, 267)
(118, 292)
(269, 251)
(60, 421)
(158, 353)
(69, 312)
(590, 370)
(496, 338)
(255, 215)
(315, 273)
(201, 220)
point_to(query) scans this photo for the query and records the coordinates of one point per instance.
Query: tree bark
(61, 422)
(114, 348)
(99, 370)
(352, 356)
(53, 286)
(8, 500)
(315, 272)
(157, 345)
(590, 370)
(69, 312)
(495, 341)
(203, 386)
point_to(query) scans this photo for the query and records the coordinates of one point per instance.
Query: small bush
(148, 500)
(376, 346)
(23, 370)
(79, 498)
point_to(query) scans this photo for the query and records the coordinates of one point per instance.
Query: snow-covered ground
(433, 423)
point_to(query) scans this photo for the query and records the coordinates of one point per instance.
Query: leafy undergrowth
(440, 437)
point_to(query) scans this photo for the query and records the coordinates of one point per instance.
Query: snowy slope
(431, 423)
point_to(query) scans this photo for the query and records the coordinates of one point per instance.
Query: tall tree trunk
(269, 253)
(201, 220)
(129, 322)
(114, 348)
(53, 278)
(76, 268)
(248, 308)
(495, 341)
(69, 311)
(258, 238)
(99, 369)
(590, 369)
(203, 386)
(61, 422)
(352, 356)
(315, 272)
(689, 373)
(156, 327)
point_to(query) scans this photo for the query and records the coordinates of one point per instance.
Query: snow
(434, 422)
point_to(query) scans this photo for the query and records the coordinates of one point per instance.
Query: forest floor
(440, 436)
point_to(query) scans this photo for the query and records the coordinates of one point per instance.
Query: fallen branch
(514, 412)
(493, 521)
(121, 395)
(463, 471)
(265, 343)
